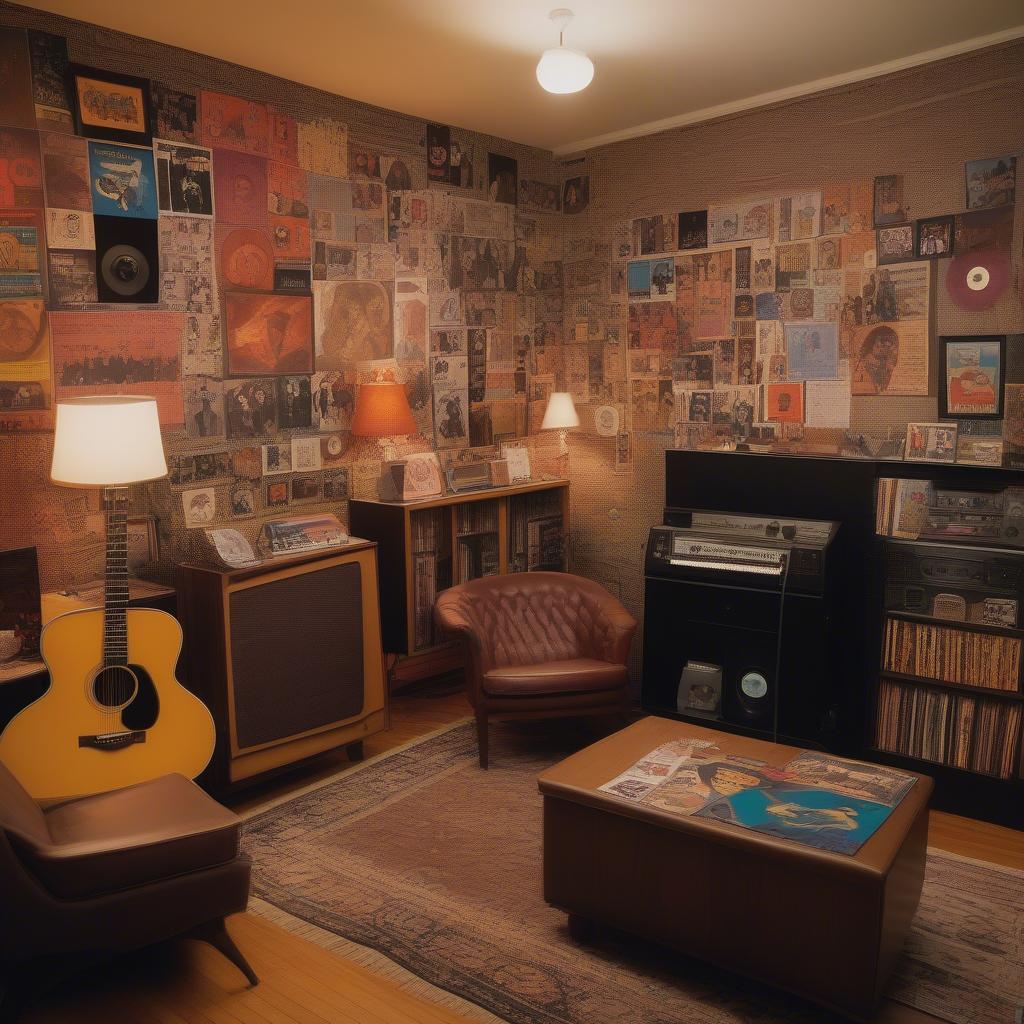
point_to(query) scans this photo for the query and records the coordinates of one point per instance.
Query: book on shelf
(425, 583)
(477, 517)
(536, 532)
(953, 729)
(478, 556)
(544, 544)
(987, 660)
(901, 508)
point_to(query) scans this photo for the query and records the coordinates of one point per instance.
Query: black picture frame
(949, 222)
(86, 125)
(908, 257)
(956, 413)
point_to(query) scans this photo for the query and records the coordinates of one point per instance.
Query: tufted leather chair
(539, 644)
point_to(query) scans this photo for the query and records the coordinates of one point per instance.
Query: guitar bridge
(113, 740)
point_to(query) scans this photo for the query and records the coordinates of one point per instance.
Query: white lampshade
(563, 70)
(560, 413)
(107, 441)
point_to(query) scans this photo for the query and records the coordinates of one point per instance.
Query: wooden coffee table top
(578, 777)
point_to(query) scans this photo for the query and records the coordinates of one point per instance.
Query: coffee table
(827, 926)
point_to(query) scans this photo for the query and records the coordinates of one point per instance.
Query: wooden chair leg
(216, 934)
(481, 737)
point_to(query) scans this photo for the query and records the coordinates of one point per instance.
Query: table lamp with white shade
(560, 415)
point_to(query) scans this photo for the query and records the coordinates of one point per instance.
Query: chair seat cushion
(572, 675)
(132, 836)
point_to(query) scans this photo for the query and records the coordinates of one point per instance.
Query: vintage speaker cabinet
(287, 655)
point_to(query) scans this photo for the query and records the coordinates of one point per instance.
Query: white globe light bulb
(563, 70)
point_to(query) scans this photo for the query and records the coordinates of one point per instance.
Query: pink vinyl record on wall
(975, 280)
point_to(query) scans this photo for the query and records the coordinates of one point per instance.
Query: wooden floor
(300, 983)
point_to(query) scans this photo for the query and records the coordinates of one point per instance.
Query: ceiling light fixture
(562, 69)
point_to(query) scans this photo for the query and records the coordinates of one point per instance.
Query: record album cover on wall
(972, 376)
(110, 106)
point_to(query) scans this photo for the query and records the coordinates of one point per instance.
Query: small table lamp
(382, 410)
(560, 415)
(109, 441)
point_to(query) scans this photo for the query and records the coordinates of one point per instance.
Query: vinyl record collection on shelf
(949, 691)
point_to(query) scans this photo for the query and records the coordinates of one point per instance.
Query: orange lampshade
(382, 410)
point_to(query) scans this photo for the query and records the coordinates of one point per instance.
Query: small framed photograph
(972, 376)
(935, 238)
(895, 244)
(931, 442)
(111, 106)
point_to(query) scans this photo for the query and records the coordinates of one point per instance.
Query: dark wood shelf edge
(1011, 632)
(965, 688)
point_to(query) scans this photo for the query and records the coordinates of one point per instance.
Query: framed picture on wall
(934, 238)
(931, 442)
(973, 370)
(108, 105)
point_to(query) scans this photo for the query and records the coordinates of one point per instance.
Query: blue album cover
(638, 278)
(821, 818)
(812, 350)
(122, 181)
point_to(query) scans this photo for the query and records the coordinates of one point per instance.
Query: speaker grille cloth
(297, 653)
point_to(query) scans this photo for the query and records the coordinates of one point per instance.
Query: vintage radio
(739, 624)
(287, 656)
(718, 542)
(942, 581)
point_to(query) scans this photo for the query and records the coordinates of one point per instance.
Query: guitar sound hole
(115, 686)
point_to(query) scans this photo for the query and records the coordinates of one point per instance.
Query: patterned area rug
(424, 857)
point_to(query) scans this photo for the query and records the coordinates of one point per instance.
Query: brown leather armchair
(115, 872)
(539, 645)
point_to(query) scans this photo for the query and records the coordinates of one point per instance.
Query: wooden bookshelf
(456, 537)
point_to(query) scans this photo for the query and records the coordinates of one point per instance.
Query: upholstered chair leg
(216, 934)
(481, 736)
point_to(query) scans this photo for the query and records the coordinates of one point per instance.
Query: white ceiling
(660, 63)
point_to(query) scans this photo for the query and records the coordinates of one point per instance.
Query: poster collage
(250, 269)
(760, 323)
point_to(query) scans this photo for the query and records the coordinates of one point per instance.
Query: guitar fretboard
(115, 577)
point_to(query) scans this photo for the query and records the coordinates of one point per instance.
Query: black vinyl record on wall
(127, 260)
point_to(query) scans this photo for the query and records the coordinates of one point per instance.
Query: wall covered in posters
(247, 250)
(783, 280)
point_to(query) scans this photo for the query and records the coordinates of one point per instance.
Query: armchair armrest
(451, 618)
(619, 627)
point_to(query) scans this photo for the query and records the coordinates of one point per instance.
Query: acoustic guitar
(114, 713)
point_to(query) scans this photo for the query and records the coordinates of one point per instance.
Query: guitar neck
(115, 577)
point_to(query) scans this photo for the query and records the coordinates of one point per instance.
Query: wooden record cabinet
(287, 656)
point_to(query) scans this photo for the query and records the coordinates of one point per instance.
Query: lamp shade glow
(382, 410)
(563, 70)
(107, 441)
(560, 413)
